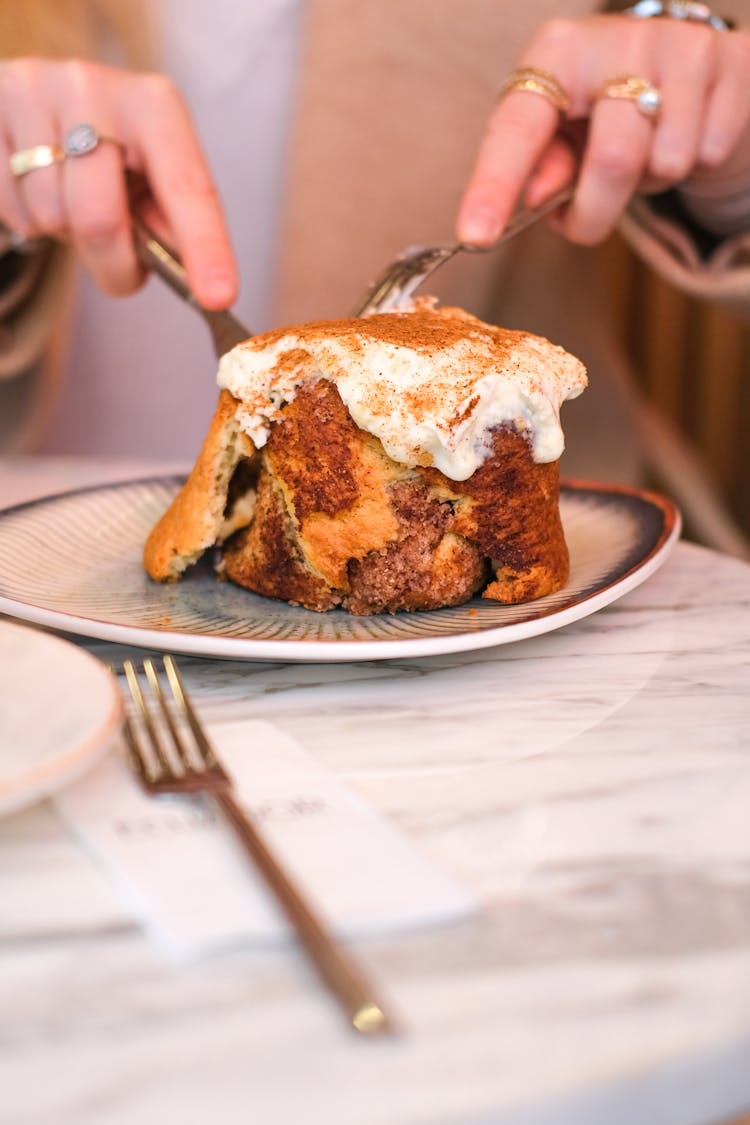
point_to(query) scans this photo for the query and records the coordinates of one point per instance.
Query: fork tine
(142, 762)
(407, 272)
(138, 761)
(403, 275)
(186, 708)
(182, 752)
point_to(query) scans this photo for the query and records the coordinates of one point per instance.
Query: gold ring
(40, 156)
(639, 90)
(537, 81)
(80, 140)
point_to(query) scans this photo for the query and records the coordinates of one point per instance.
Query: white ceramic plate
(59, 710)
(73, 562)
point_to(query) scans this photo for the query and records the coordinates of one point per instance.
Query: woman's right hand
(84, 199)
(699, 143)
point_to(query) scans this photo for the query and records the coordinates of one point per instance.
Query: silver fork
(407, 272)
(226, 330)
(177, 766)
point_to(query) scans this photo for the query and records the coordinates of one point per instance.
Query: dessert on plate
(401, 461)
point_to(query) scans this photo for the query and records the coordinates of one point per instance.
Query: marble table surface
(590, 786)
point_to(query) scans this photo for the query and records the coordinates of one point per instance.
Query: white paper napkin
(188, 881)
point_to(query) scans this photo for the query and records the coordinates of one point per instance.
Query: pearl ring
(639, 90)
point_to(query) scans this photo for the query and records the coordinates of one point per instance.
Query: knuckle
(697, 47)
(555, 34)
(83, 77)
(158, 88)
(20, 76)
(630, 35)
(701, 44)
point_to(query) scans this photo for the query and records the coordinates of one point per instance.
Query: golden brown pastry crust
(337, 522)
(194, 520)
(511, 511)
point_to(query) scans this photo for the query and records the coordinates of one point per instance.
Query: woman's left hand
(608, 145)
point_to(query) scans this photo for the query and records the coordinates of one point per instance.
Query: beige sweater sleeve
(35, 292)
(722, 275)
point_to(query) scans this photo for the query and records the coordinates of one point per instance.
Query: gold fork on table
(165, 761)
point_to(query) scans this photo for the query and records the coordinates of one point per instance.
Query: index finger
(520, 129)
(166, 149)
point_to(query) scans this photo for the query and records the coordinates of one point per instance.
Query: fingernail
(479, 227)
(219, 288)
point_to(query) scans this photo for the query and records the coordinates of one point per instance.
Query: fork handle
(226, 330)
(339, 970)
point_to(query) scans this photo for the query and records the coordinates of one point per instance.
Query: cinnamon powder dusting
(412, 379)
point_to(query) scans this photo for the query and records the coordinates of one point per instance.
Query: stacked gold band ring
(646, 96)
(78, 141)
(537, 81)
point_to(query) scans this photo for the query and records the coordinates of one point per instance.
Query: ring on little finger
(646, 96)
(537, 81)
(80, 140)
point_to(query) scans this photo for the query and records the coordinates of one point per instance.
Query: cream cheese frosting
(430, 383)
